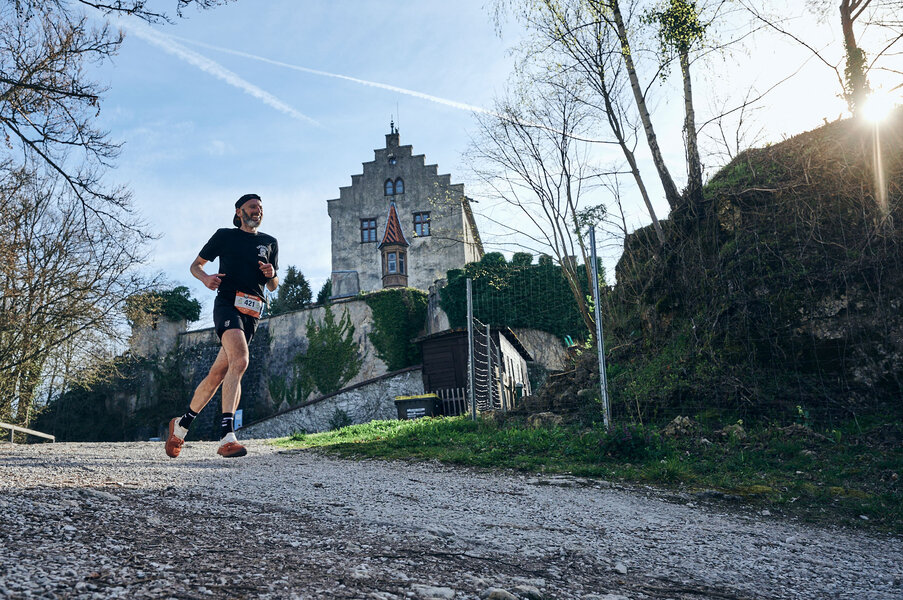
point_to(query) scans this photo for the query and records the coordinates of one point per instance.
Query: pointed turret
(393, 248)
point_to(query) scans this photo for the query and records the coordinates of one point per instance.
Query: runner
(247, 262)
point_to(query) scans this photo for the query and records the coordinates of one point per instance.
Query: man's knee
(238, 364)
(218, 373)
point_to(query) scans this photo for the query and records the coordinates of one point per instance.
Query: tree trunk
(854, 73)
(615, 127)
(694, 166)
(671, 192)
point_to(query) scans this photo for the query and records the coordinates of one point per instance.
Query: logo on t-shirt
(262, 251)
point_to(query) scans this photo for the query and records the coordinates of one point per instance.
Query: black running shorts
(226, 316)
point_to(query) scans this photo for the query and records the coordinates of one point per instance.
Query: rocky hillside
(780, 295)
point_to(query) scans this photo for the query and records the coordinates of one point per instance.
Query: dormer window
(399, 186)
(390, 188)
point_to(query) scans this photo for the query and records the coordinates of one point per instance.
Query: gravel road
(124, 521)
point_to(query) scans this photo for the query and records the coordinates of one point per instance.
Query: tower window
(391, 266)
(390, 188)
(399, 186)
(401, 263)
(421, 224)
(368, 230)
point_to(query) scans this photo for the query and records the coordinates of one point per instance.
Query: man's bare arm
(210, 281)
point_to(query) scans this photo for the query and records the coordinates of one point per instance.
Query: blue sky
(202, 126)
(194, 142)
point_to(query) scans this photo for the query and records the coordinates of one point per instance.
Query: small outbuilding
(500, 376)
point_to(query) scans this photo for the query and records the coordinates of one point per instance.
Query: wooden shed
(444, 362)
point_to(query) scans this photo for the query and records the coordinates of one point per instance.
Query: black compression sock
(187, 418)
(228, 425)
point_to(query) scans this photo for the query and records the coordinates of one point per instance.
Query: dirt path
(123, 521)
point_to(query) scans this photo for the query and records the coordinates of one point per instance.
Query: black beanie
(235, 220)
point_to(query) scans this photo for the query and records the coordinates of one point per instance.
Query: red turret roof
(394, 234)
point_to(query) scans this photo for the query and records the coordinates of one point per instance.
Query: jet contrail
(393, 88)
(213, 68)
(376, 84)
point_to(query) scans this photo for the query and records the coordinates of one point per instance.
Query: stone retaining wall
(367, 401)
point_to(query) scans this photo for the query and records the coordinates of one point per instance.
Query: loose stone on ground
(124, 521)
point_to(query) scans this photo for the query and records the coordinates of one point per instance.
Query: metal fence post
(489, 365)
(470, 365)
(600, 343)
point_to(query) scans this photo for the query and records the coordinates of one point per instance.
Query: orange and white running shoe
(173, 442)
(231, 450)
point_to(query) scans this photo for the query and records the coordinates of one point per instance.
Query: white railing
(454, 401)
(14, 428)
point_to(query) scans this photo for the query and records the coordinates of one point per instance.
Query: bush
(174, 305)
(332, 356)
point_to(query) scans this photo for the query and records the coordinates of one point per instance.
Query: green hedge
(515, 295)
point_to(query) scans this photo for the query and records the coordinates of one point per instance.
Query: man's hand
(213, 281)
(267, 269)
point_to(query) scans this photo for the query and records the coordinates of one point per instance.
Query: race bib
(249, 305)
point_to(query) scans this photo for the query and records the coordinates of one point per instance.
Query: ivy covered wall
(399, 316)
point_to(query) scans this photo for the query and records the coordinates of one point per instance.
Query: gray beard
(252, 223)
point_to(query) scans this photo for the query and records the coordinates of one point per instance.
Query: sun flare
(877, 107)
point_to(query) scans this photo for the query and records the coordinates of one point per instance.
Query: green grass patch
(835, 477)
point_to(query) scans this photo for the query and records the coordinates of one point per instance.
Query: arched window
(390, 188)
(399, 186)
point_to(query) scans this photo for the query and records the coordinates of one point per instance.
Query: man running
(247, 262)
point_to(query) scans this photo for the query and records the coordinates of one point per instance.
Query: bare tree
(62, 283)
(610, 12)
(879, 17)
(69, 240)
(529, 155)
(679, 31)
(570, 32)
(48, 103)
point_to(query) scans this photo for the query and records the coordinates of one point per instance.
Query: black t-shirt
(239, 253)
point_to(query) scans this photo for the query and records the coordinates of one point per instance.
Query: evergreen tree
(294, 293)
(332, 356)
(325, 292)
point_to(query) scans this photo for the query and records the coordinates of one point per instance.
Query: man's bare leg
(236, 348)
(178, 427)
(207, 388)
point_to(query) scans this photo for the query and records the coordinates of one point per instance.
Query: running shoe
(232, 450)
(173, 442)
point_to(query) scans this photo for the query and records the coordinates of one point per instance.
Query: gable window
(399, 186)
(391, 266)
(421, 224)
(390, 188)
(368, 230)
